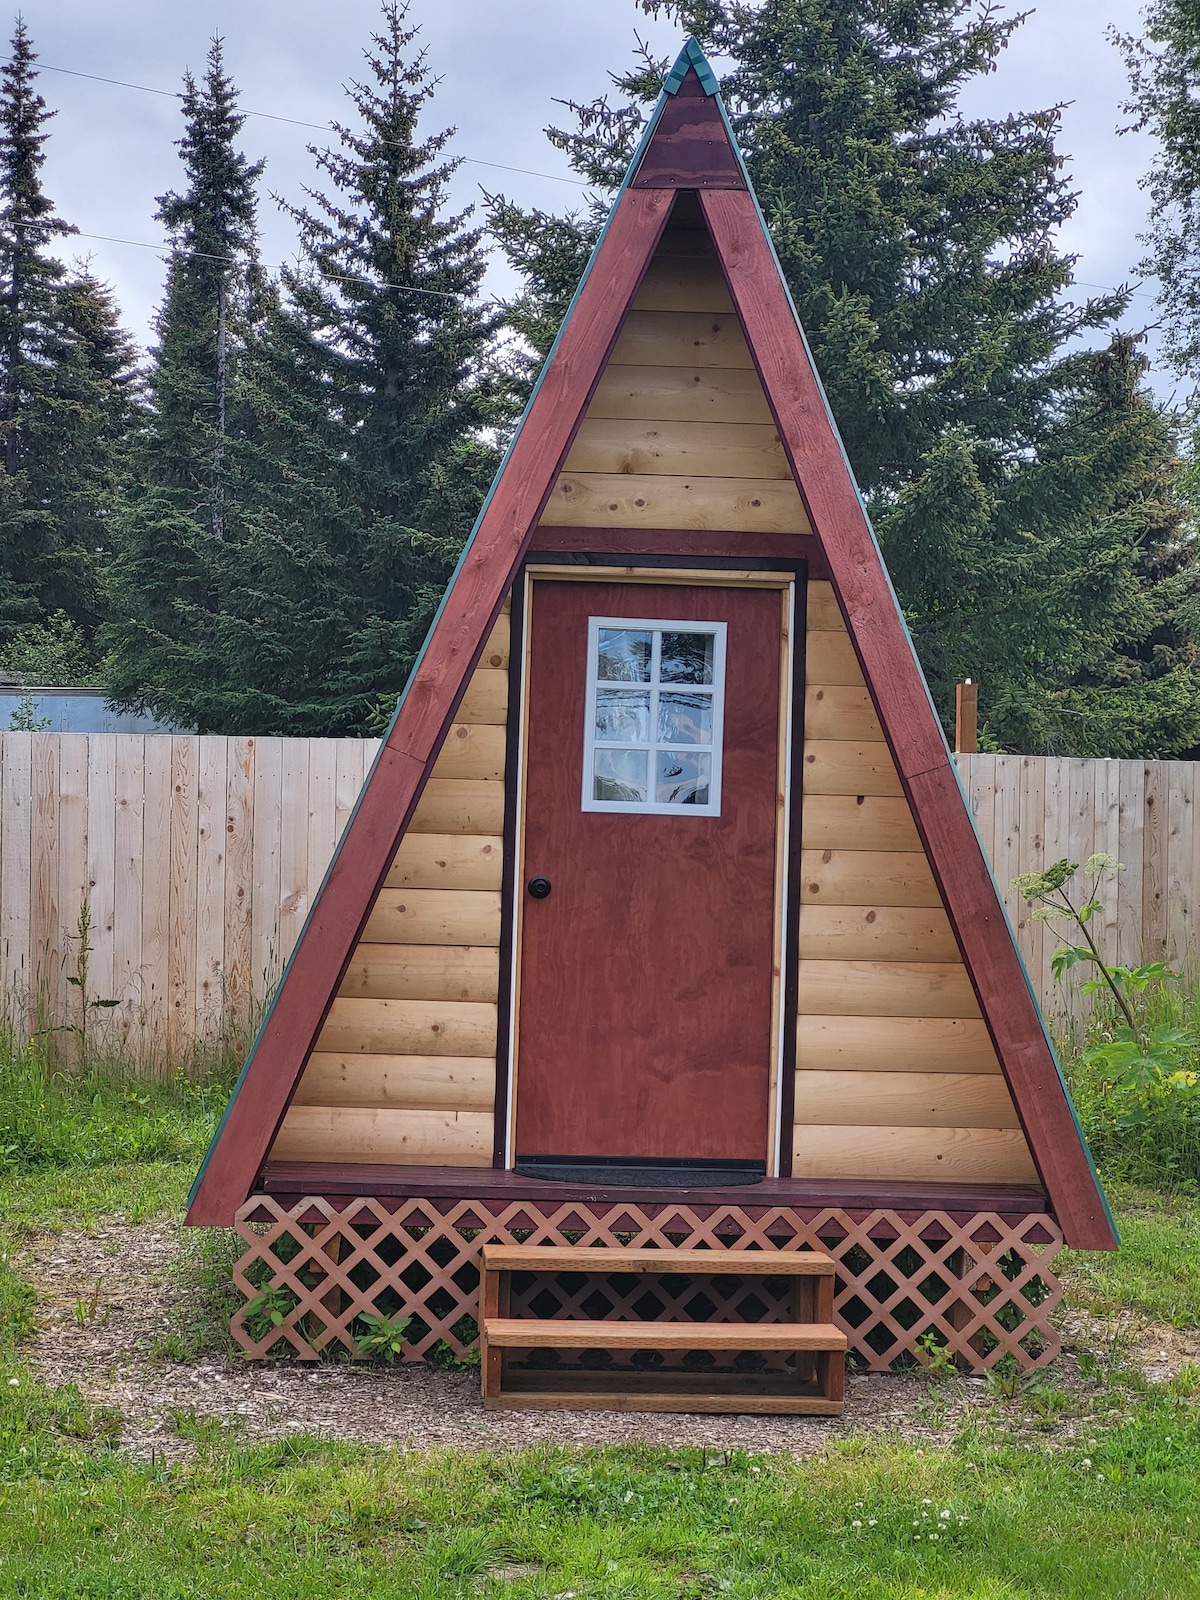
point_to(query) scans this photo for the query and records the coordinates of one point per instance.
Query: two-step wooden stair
(813, 1386)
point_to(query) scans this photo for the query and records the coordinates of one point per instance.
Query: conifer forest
(247, 529)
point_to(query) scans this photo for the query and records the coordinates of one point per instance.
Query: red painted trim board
(898, 688)
(395, 783)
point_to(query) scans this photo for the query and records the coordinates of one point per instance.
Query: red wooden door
(644, 1002)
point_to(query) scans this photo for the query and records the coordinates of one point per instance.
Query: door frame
(790, 578)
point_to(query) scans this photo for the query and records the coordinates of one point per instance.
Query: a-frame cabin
(661, 916)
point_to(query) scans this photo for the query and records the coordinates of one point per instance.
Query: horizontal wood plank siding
(889, 1040)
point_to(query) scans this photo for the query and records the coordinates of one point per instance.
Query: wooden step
(740, 1394)
(527, 1333)
(694, 1263)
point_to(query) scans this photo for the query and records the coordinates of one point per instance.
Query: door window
(655, 700)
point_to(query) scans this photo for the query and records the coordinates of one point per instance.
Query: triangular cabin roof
(688, 148)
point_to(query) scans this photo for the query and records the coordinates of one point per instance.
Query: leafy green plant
(1138, 1066)
(268, 1310)
(934, 1355)
(381, 1338)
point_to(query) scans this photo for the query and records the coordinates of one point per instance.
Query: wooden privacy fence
(199, 858)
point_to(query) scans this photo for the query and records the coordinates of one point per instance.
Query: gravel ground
(104, 1302)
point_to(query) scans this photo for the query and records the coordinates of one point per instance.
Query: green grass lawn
(1090, 1494)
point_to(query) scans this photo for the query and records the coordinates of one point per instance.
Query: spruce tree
(164, 643)
(919, 248)
(376, 395)
(67, 391)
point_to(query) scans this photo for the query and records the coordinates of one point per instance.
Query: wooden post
(966, 717)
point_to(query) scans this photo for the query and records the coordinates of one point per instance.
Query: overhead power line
(296, 122)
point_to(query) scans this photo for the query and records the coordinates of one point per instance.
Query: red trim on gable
(907, 715)
(396, 781)
(690, 148)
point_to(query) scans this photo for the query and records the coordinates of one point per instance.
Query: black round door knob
(539, 888)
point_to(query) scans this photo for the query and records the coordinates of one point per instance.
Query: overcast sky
(502, 66)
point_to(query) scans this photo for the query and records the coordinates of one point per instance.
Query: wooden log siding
(679, 433)
(879, 1090)
(404, 1070)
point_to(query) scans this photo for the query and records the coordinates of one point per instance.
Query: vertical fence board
(211, 833)
(1032, 816)
(1130, 831)
(156, 889)
(46, 934)
(127, 897)
(239, 877)
(181, 952)
(265, 891)
(16, 793)
(1178, 900)
(322, 810)
(294, 826)
(102, 863)
(72, 855)
(1154, 862)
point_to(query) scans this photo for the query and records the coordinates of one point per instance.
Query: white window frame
(656, 627)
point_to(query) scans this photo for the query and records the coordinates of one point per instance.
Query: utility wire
(295, 122)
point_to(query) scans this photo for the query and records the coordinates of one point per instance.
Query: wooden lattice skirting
(978, 1284)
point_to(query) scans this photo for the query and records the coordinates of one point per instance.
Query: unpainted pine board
(102, 864)
(495, 651)
(181, 953)
(72, 857)
(1192, 868)
(475, 752)
(156, 888)
(212, 834)
(679, 449)
(852, 822)
(399, 1138)
(239, 877)
(681, 339)
(295, 886)
(863, 877)
(683, 283)
(641, 500)
(839, 711)
(352, 764)
(422, 972)
(578, 1258)
(976, 1155)
(894, 1044)
(266, 882)
(829, 658)
(875, 933)
(1056, 780)
(1154, 862)
(1130, 846)
(403, 1083)
(16, 820)
(981, 798)
(1006, 854)
(486, 699)
(410, 1028)
(454, 805)
(435, 916)
(47, 942)
(824, 614)
(447, 861)
(1106, 838)
(129, 846)
(679, 394)
(904, 1099)
(322, 809)
(885, 989)
(1032, 854)
(847, 766)
(1180, 812)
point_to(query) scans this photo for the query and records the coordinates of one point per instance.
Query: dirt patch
(104, 1303)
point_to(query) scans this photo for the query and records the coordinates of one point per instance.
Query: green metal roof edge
(651, 124)
(691, 56)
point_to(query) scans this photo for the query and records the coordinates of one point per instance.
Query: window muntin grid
(654, 716)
